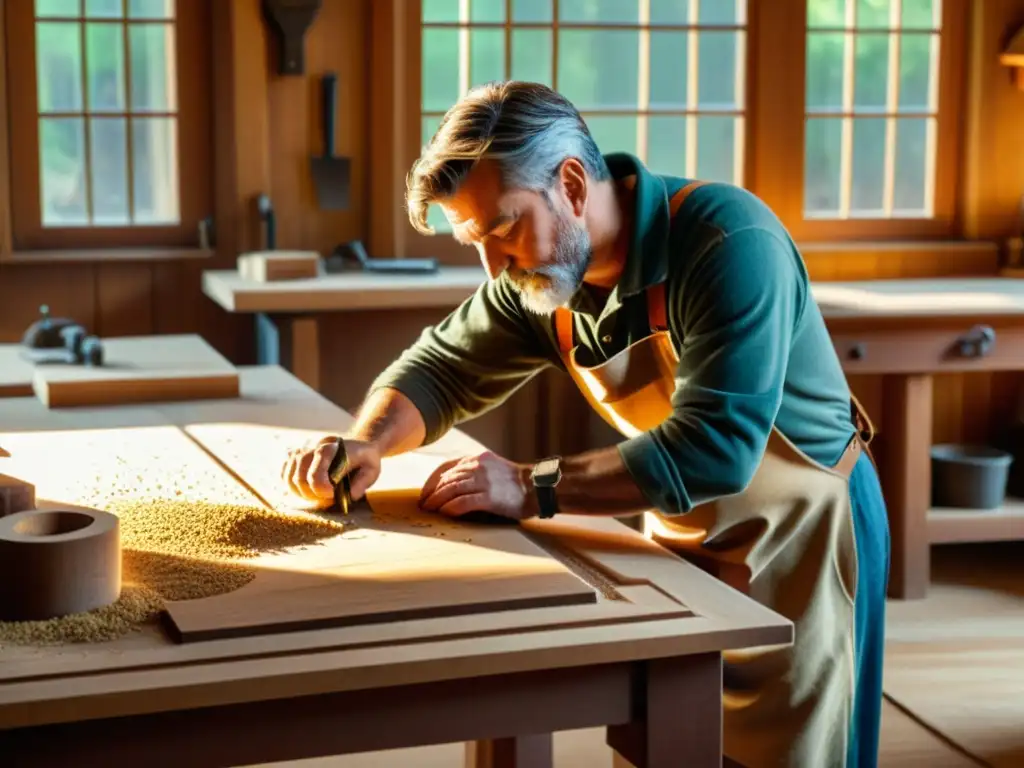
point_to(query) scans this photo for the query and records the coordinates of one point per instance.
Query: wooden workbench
(493, 680)
(908, 331)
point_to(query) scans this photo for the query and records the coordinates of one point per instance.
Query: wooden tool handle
(339, 479)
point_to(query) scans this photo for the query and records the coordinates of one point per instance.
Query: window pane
(666, 145)
(58, 8)
(108, 171)
(722, 12)
(668, 69)
(670, 11)
(62, 172)
(871, 76)
(829, 14)
(823, 149)
(151, 9)
(487, 11)
(436, 219)
(440, 75)
(440, 10)
(531, 11)
(867, 196)
(59, 66)
(716, 148)
(105, 62)
(599, 11)
(825, 70)
(599, 69)
(873, 14)
(613, 133)
(152, 67)
(532, 52)
(716, 71)
(486, 56)
(915, 145)
(917, 53)
(921, 14)
(155, 170)
(104, 9)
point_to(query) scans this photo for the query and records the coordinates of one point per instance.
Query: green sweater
(753, 347)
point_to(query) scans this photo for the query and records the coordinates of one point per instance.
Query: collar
(647, 258)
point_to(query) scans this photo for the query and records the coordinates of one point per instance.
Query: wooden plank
(15, 372)
(395, 566)
(947, 525)
(399, 564)
(140, 370)
(343, 292)
(6, 240)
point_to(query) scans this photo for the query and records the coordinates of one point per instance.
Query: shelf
(947, 525)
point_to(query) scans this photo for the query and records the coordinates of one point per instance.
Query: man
(683, 311)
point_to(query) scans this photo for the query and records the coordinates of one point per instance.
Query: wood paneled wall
(268, 126)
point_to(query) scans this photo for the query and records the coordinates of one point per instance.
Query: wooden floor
(977, 592)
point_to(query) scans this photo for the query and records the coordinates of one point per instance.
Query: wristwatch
(545, 476)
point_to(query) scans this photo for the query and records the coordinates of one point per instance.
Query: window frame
(193, 76)
(774, 118)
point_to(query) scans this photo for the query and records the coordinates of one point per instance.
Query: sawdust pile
(176, 550)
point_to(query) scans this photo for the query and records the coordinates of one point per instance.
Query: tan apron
(787, 541)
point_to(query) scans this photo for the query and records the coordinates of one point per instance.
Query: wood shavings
(176, 550)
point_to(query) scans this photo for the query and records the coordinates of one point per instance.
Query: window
(662, 79)
(872, 93)
(842, 115)
(110, 122)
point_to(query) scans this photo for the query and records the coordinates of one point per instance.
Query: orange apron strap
(656, 313)
(563, 330)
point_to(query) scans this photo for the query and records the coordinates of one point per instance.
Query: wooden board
(398, 563)
(140, 369)
(15, 373)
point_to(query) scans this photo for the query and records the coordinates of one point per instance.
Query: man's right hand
(305, 470)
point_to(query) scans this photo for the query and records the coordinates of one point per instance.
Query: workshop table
(907, 331)
(503, 683)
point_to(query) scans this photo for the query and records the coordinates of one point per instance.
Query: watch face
(546, 468)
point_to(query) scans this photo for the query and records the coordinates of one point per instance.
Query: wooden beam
(6, 244)
(241, 124)
(993, 165)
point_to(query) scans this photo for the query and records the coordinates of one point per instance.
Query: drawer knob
(977, 342)
(858, 352)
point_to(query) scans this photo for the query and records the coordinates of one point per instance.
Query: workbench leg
(293, 342)
(677, 716)
(906, 476)
(534, 751)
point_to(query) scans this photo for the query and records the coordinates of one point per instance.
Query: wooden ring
(58, 561)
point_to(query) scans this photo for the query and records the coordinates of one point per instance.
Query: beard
(546, 288)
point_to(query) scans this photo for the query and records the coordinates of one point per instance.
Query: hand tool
(337, 472)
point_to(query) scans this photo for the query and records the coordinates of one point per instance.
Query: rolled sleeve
(470, 362)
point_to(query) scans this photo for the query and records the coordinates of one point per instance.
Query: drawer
(893, 350)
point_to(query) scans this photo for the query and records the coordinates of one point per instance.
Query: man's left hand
(482, 483)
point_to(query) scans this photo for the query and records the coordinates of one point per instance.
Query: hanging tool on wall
(291, 19)
(331, 174)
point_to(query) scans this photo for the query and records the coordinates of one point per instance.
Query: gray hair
(528, 128)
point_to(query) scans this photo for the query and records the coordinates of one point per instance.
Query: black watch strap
(547, 499)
